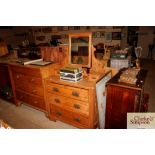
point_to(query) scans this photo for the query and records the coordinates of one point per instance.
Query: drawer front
(19, 78)
(75, 93)
(69, 104)
(67, 116)
(37, 102)
(22, 96)
(34, 80)
(31, 89)
(26, 71)
(32, 100)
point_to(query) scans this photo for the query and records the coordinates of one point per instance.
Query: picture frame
(55, 36)
(108, 36)
(98, 34)
(101, 27)
(60, 28)
(109, 27)
(76, 27)
(102, 34)
(54, 29)
(94, 35)
(40, 38)
(88, 27)
(46, 30)
(116, 35)
(65, 28)
(70, 27)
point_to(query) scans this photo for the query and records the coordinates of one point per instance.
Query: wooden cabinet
(73, 103)
(5, 83)
(57, 54)
(28, 84)
(123, 98)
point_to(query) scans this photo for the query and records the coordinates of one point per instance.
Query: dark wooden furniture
(5, 83)
(123, 98)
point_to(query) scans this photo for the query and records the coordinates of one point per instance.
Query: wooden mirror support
(80, 49)
(98, 65)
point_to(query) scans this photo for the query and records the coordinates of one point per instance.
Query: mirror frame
(75, 35)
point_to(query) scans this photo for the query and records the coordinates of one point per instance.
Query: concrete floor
(24, 117)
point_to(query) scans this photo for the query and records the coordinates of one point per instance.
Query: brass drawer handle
(55, 89)
(77, 120)
(76, 94)
(57, 100)
(76, 106)
(58, 113)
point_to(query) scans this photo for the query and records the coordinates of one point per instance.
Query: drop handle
(77, 120)
(57, 100)
(76, 94)
(34, 90)
(77, 106)
(55, 89)
(32, 80)
(58, 113)
(17, 76)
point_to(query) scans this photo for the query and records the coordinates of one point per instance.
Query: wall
(63, 31)
(14, 35)
(6, 35)
(145, 37)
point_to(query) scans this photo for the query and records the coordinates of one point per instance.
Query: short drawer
(72, 92)
(68, 116)
(26, 71)
(69, 104)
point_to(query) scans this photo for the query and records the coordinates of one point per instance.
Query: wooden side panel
(119, 102)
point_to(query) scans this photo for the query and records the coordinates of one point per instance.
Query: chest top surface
(141, 76)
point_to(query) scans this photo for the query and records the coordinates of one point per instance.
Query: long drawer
(30, 99)
(19, 78)
(26, 71)
(31, 89)
(69, 117)
(69, 104)
(72, 92)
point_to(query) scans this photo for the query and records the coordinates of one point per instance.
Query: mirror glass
(80, 49)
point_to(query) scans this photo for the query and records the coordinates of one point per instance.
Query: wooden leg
(52, 119)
